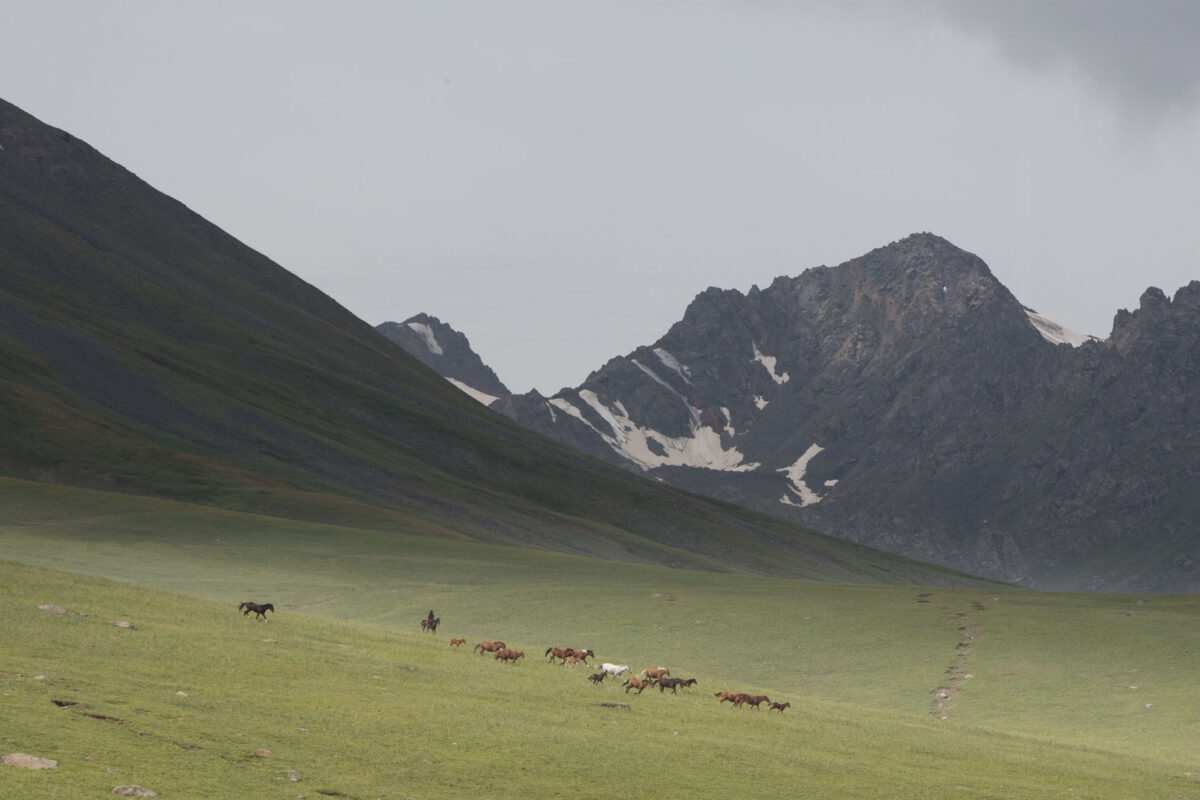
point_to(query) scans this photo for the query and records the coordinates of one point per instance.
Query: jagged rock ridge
(905, 399)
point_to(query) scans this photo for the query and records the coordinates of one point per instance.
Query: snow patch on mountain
(693, 412)
(1055, 333)
(482, 397)
(702, 449)
(769, 363)
(426, 333)
(672, 363)
(795, 475)
(760, 402)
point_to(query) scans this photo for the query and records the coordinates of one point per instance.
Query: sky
(558, 180)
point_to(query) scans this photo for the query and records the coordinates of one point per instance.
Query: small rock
(262, 751)
(60, 611)
(115, 771)
(182, 693)
(121, 623)
(293, 776)
(27, 761)
(133, 790)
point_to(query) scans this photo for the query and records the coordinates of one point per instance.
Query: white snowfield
(795, 475)
(427, 334)
(702, 448)
(769, 363)
(1053, 332)
(482, 397)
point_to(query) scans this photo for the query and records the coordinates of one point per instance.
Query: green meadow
(895, 691)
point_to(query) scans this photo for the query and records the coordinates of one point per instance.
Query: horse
(654, 672)
(430, 624)
(489, 647)
(754, 700)
(557, 652)
(510, 656)
(674, 683)
(615, 669)
(779, 707)
(730, 696)
(456, 642)
(259, 611)
(582, 655)
(597, 677)
(637, 683)
(571, 661)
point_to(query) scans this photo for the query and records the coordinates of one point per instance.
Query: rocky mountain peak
(448, 352)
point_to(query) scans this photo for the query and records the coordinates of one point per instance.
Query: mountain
(145, 351)
(906, 400)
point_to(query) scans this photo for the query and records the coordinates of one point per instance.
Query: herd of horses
(569, 657)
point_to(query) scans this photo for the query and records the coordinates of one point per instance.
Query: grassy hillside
(1088, 673)
(145, 351)
(199, 701)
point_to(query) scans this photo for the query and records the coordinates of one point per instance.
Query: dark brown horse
(259, 611)
(489, 647)
(430, 624)
(779, 707)
(557, 652)
(597, 677)
(674, 683)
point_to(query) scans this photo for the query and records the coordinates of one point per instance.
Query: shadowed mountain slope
(143, 350)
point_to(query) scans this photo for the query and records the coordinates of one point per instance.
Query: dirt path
(948, 693)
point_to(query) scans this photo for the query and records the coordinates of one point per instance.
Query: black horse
(431, 624)
(259, 611)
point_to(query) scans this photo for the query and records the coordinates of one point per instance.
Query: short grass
(1045, 695)
(201, 702)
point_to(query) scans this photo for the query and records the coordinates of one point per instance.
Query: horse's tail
(548, 649)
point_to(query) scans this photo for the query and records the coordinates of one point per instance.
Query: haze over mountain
(905, 399)
(143, 350)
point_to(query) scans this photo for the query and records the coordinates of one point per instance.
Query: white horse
(615, 669)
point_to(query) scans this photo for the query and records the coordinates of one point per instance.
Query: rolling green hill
(144, 351)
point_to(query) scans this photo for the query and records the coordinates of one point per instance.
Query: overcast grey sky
(559, 179)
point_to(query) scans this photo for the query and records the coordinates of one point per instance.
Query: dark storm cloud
(1142, 57)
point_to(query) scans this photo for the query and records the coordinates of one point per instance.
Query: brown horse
(754, 700)
(456, 642)
(489, 647)
(259, 611)
(779, 707)
(654, 673)
(430, 624)
(637, 683)
(509, 656)
(732, 697)
(582, 655)
(557, 652)
(571, 661)
(597, 677)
